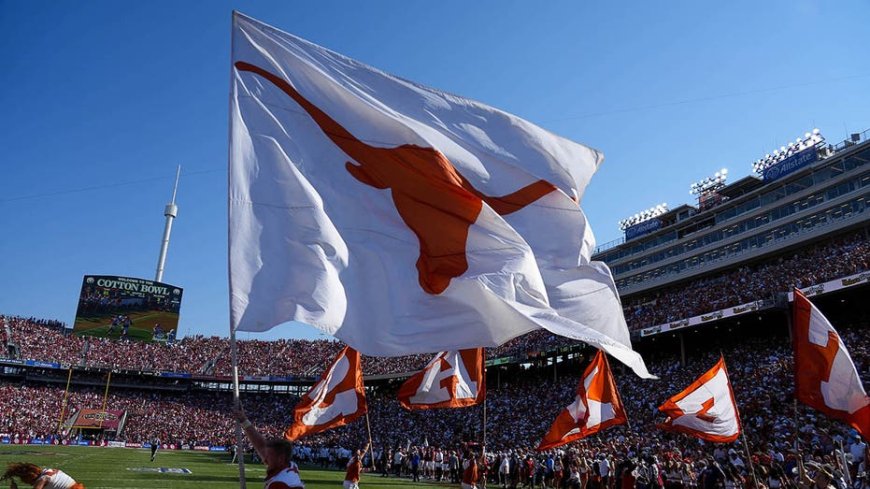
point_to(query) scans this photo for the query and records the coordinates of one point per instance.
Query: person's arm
(40, 483)
(251, 432)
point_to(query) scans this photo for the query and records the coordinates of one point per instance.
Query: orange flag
(596, 407)
(706, 409)
(452, 379)
(336, 400)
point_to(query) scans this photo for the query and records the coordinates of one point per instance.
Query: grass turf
(108, 468)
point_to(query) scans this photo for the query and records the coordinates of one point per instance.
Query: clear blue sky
(100, 101)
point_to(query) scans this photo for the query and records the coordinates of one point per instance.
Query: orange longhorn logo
(431, 196)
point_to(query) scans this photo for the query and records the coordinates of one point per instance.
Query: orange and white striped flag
(452, 379)
(336, 400)
(706, 409)
(597, 406)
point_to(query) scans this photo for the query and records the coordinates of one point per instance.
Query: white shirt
(857, 450)
(603, 467)
(289, 477)
(57, 479)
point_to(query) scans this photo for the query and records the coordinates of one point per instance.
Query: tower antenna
(170, 211)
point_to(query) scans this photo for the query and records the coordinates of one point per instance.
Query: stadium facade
(754, 219)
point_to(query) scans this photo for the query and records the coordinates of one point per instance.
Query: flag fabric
(596, 407)
(399, 218)
(706, 409)
(336, 400)
(452, 379)
(825, 375)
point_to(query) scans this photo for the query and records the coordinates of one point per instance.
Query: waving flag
(706, 409)
(399, 218)
(596, 407)
(336, 400)
(452, 379)
(825, 376)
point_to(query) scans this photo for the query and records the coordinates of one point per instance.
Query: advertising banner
(126, 307)
(790, 165)
(643, 228)
(97, 419)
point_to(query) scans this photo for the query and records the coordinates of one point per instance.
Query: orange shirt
(470, 475)
(353, 470)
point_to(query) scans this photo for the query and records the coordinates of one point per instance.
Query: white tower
(170, 212)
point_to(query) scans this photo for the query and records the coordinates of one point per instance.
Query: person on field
(471, 473)
(38, 477)
(155, 444)
(354, 467)
(281, 471)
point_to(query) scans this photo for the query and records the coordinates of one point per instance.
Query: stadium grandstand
(694, 281)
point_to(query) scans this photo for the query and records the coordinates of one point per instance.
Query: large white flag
(399, 218)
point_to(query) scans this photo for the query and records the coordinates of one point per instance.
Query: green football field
(105, 468)
(142, 328)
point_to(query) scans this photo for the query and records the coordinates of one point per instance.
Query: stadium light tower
(707, 189)
(812, 139)
(643, 216)
(170, 211)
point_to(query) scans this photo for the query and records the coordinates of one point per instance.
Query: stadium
(416, 296)
(736, 255)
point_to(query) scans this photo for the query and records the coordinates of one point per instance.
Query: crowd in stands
(817, 264)
(520, 410)
(50, 341)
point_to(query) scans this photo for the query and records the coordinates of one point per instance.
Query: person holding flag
(276, 453)
(354, 467)
(471, 474)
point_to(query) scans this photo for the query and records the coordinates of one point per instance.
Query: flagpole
(484, 424)
(65, 397)
(234, 356)
(233, 348)
(483, 362)
(740, 424)
(371, 443)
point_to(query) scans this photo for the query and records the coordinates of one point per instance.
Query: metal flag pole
(233, 348)
(234, 355)
(65, 397)
(484, 426)
(483, 367)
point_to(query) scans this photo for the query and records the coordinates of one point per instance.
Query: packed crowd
(519, 411)
(809, 266)
(50, 341)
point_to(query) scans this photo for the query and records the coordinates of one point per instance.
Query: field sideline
(109, 468)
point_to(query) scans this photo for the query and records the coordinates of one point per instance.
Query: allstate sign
(645, 227)
(791, 164)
